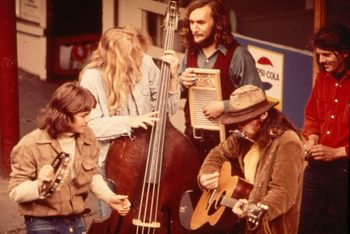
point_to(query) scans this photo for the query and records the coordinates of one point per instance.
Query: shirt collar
(45, 138)
(220, 48)
(347, 74)
(344, 77)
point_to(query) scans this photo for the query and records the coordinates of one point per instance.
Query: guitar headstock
(254, 214)
(172, 15)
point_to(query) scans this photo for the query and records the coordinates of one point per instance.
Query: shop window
(154, 24)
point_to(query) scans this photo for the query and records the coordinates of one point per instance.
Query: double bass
(154, 167)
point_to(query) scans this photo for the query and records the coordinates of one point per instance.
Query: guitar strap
(260, 186)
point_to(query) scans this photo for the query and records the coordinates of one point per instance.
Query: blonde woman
(124, 81)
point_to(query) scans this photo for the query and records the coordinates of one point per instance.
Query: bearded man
(206, 33)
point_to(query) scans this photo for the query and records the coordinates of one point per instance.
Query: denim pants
(325, 185)
(207, 141)
(103, 208)
(54, 225)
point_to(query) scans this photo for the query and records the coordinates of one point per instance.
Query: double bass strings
(151, 186)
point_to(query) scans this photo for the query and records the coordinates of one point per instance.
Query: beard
(206, 42)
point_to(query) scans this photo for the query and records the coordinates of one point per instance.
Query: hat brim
(232, 117)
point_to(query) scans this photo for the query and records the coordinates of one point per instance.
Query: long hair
(333, 37)
(273, 126)
(144, 39)
(68, 100)
(222, 30)
(119, 57)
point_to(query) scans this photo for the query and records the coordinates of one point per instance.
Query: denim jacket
(141, 101)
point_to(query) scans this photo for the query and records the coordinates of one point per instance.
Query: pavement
(34, 94)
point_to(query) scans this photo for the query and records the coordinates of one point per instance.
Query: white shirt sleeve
(100, 188)
(26, 191)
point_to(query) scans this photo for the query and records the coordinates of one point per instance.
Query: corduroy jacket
(278, 179)
(38, 149)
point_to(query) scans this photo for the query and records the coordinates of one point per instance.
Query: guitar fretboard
(228, 202)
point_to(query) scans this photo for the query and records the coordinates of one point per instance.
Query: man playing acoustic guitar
(270, 153)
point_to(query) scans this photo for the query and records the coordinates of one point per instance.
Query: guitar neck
(228, 202)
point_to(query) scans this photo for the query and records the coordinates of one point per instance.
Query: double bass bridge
(139, 223)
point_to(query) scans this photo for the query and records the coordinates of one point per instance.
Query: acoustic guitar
(214, 208)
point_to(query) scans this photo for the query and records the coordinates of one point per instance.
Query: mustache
(210, 39)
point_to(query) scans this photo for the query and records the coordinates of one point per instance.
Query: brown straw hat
(245, 103)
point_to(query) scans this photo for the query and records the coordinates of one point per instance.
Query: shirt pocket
(84, 177)
(146, 91)
(145, 100)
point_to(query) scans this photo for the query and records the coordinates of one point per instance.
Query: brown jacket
(38, 149)
(278, 180)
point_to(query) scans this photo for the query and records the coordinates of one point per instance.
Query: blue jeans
(54, 225)
(325, 188)
(104, 209)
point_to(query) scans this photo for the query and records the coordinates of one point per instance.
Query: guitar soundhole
(215, 203)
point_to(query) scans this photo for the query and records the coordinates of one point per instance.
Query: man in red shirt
(326, 128)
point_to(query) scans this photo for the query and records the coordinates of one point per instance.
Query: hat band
(250, 109)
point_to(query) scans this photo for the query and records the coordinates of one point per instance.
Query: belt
(65, 218)
(205, 134)
(200, 133)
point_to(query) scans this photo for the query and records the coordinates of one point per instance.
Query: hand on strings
(171, 58)
(325, 153)
(144, 121)
(213, 110)
(188, 78)
(238, 207)
(209, 181)
(120, 203)
(46, 174)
